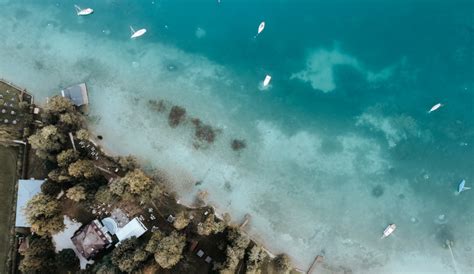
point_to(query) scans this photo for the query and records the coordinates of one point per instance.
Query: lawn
(8, 160)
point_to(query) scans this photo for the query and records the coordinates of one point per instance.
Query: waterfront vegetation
(81, 177)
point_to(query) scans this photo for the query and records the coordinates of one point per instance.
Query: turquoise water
(338, 147)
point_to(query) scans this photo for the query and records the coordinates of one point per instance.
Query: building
(26, 190)
(91, 239)
(96, 236)
(134, 228)
(77, 94)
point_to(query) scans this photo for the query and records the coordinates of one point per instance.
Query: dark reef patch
(176, 116)
(238, 145)
(377, 191)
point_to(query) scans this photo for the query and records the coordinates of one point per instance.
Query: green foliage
(44, 214)
(39, 257)
(103, 195)
(137, 181)
(59, 105)
(50, 188)
(82, 134)
(256, 256)
(59, 175)
(167, 250)
(66, 258)
(182, 220)
(210, 226)
(236, 250)
(283, 263)
(67, 157)
(127, 163)
(83, 169)
(76, 193)
(128, 256)
(47, 142)
(70, 121)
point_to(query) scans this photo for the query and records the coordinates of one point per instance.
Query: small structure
(135, 228)
(91, 239)
(77, 94)
(26, 190)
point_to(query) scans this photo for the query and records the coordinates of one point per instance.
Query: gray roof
(26, 190)
(77, 94)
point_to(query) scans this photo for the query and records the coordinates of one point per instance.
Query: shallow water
(338, 147)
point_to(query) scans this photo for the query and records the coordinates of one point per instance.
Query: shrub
(76, 193)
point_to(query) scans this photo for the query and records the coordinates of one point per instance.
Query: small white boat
(267, 80)
(136, 34)
(435, 107)
(261, 27)
(83, 12)
(462, 186)
(389, 230)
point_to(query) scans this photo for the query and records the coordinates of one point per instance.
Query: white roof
(26, 190)
(133, 228)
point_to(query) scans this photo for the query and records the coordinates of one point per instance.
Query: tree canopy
(67, 258)
(83, 169)
(44, 214)
(67, 157)
(39, 257)
(47, 141)
(76, 193)
(137, 181)
(167, 250)
(128, 255)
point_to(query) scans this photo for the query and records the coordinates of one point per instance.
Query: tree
(137, 181)
(128, 256)
(66, 258)
(83, 169)
(47, 141)
(118, 187)
(182, 220)
(256, 256)
(59, 105)
(67, 157)
(167, 250)
(103, 195)
(44, 215)
(210, 226)
(127, 163)
(283, 263)
(59, 175)
(39, 257)
(70, 121)
(76, 193)
(50, 188)
(82, 134)
(236, 250)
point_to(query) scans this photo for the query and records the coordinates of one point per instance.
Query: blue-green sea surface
(338, 146)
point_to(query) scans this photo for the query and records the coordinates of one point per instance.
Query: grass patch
(8, 158)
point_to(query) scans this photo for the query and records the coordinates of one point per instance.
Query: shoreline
(219, 214)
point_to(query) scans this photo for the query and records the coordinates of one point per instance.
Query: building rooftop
(91, 239)
(77, 94)
(135, 228)
(26, 190)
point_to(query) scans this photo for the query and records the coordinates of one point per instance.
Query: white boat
(267, 80)
(435, 107)
(138, 33)
(83, 12)
(261, 27)
(389, 230)
(462, 186)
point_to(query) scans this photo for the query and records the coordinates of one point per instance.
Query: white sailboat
(267, 80)
(462, 186)
(435, 107)
(136, 34)
(389, 230)
(261, 27)
(83, 12)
